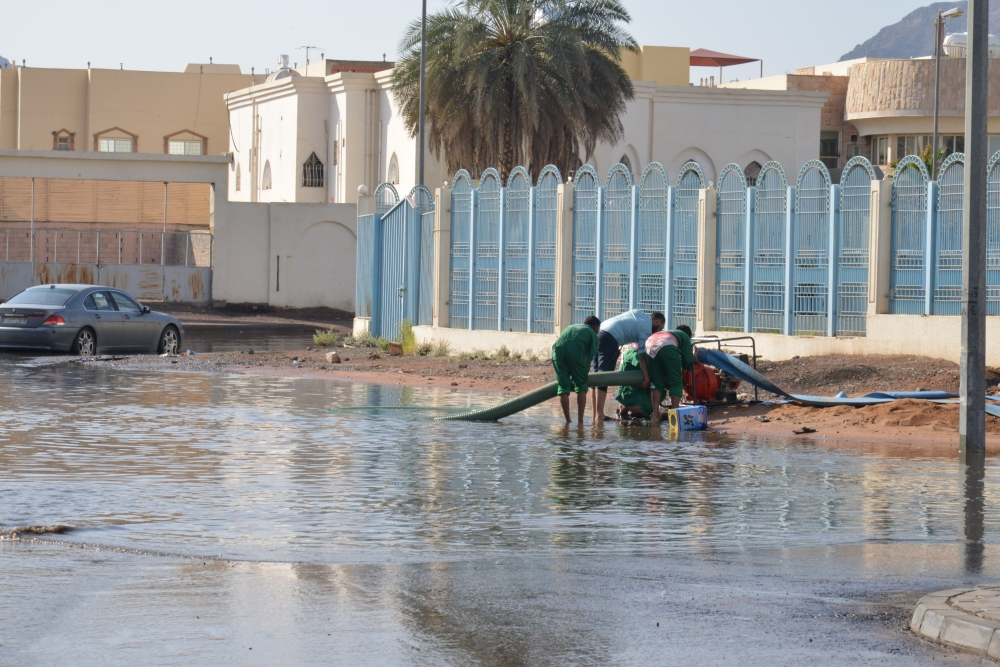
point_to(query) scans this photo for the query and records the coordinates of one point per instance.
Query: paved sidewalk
(964, 618)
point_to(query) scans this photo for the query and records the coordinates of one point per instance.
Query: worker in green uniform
(668, 355)
(635, 401)
(571, 358)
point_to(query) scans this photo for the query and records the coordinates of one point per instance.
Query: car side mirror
(145, 310)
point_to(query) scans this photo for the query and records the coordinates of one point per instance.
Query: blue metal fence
(684, 299)
(586, 229)
(811, 248)
(947, 287)
(730, 244)
(788, 258)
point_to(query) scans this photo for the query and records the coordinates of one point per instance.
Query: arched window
(265, 181)
(392, 176)
(238, 177)
(751, 172)
(312, 172)
(628, 164)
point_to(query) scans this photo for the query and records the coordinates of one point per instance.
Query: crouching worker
(571, 358)
(668, 355)
(635, 401)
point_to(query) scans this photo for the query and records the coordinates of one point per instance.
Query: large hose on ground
(542, 394)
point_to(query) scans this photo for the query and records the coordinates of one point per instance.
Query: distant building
(315, 134)
(883, 109)
(118, 110)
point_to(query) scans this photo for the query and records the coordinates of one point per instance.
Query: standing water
(222, 519)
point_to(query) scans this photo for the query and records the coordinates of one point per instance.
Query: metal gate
(768, 267)
(731, 210)
(683, 305)
(811, 252)
(948, 267)
(617, 243)
(586, 223)
(853, 246)
(909, 230)
(654, 234)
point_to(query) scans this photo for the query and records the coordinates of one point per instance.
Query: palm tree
(511, 82)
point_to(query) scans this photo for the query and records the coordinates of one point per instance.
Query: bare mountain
(913, 36)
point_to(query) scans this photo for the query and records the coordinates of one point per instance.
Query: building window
(185, 148)
(265, 181)
(114, 145)
(751, 172)
(994, 145)
(392, 176)
(913, 144)
(829, 149)
(63, 140)
(880, 150)
(312, 172)
(952, 143)
(238, 177)
(853, 151)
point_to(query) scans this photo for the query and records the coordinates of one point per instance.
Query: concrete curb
(963, 618)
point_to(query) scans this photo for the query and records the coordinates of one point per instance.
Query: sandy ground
(905, 421)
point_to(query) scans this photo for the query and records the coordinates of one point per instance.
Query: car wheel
(85, 344)
(169, 341)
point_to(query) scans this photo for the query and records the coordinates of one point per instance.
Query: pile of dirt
(908, 413)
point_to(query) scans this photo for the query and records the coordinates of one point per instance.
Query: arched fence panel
(907, 291)
(811, 251)
(423, 203)
(616, 242)
(730, 244)
(684, 297)
(853, 240)
(459, 311)
(545, 228)
(515, 248)
(486, 258)
(993, 236)
(770, 213)
(385, 198)
(586, 223)
(948, 241)
(653, 221)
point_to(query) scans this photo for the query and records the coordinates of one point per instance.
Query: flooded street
(222, 519)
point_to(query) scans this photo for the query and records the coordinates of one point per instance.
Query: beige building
(118, 110)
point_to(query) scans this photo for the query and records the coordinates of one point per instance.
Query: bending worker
(633, 326)
(571, 357)
(669, 355)
(635, 401)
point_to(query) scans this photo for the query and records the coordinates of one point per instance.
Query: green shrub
(406, 337)
(503, 354)
(424, 349)
(442, 348)
(325, 337)
(363, 339)
(382, 343)
(475, 355)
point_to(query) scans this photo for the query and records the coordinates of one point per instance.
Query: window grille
(265, 181)
(312, 172)
(115, 146)
(751, 172)
(186, 147)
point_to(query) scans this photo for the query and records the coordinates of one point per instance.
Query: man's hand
(645, 384)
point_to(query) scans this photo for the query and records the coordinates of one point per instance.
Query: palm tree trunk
(507, 156)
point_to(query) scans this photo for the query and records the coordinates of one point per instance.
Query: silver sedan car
(85, 320)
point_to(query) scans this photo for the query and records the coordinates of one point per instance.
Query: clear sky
(167, 35)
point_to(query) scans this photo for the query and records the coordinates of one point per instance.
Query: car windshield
(41, 296)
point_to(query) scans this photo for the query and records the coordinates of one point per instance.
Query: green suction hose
(542, 394)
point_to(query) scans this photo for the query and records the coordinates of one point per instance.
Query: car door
(107, 320)
(137, 327)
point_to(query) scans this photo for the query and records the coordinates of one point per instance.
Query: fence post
(375, 323)
(474, 202)
(501, 264)
(79, 242)
(599, 248)
(930, 247)
(705, 298)
(563, 316)
(880, 246)
(748, 262)
(440, 315)
(790, 245)
(834, 259)
(633, 266)
(532, 193)
(668, 274)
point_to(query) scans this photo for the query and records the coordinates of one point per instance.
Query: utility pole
(423, 93)
(972, 406)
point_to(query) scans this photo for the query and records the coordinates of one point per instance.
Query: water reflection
(257, 468)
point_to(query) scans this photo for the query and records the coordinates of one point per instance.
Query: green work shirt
(633, 396)
(666, 368)
(571, 357)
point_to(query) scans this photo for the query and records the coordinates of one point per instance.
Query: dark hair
(592, 321)
(686, 329)
(658, 316)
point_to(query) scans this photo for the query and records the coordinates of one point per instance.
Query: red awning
(706, 58)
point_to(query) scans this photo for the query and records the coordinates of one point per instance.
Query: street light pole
(972, 404)
(937, 91)
(423, 92)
